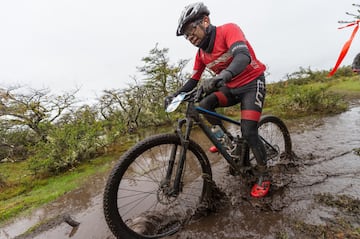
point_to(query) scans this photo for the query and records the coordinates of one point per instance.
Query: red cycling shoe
(262, 190)
(213, 149)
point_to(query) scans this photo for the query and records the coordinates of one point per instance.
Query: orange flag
(346, 46)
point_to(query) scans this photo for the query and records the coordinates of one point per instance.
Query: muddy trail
(315, 194)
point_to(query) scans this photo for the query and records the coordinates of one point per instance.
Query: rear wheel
(140, 203)
(276, 138)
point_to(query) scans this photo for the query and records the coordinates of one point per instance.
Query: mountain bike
(158, 184)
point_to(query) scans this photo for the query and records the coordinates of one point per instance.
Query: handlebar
(195, 95)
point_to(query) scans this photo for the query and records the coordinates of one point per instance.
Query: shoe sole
(260, 191)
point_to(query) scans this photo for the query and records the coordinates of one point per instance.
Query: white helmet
(191, 13)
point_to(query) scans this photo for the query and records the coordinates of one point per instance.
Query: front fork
(184, 140)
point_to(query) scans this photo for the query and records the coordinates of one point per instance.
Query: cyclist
(239, 77)
(356, 64)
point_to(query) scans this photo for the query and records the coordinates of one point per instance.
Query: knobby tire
(135, 206)
(276, 134)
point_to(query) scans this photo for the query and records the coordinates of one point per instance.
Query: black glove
(168, 100)
(212, 84)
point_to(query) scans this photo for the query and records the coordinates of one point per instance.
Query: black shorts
(250, 96)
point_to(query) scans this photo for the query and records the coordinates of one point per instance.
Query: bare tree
(35, 109)
(356, 15)
(162, 78)
(141, 104)
(123, 105)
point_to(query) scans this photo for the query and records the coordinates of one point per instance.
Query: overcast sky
(97, 45)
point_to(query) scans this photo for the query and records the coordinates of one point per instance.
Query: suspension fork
(184, 140)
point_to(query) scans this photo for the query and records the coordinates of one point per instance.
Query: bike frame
(212, 137)
(193, 115)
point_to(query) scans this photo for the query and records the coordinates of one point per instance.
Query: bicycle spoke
(139, 201)
(145, 195)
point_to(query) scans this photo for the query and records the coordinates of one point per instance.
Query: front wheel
(276, 138)
(139, 199)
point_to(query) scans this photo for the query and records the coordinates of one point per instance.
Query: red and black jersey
(221, 56)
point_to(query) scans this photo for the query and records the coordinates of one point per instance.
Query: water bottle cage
(234, 152)
(237, 148)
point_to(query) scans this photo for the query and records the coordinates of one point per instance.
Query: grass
(26, 192)
(349, 84)
(323, 97)
(339, 228)
(349, 87)
(342, 202)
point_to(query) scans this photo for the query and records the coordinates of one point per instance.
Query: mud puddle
(315, 195)
(83, 205)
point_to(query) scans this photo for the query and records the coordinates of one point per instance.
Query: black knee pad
(210, 102)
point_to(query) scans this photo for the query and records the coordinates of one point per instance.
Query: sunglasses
(191, 28)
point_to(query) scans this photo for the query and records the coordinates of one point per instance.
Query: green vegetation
(343, 202)
(48, 143)
(311, 93)
(25, 192)
(338, 228)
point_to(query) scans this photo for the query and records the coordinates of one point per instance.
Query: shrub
(311, 100)
(67, 146)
